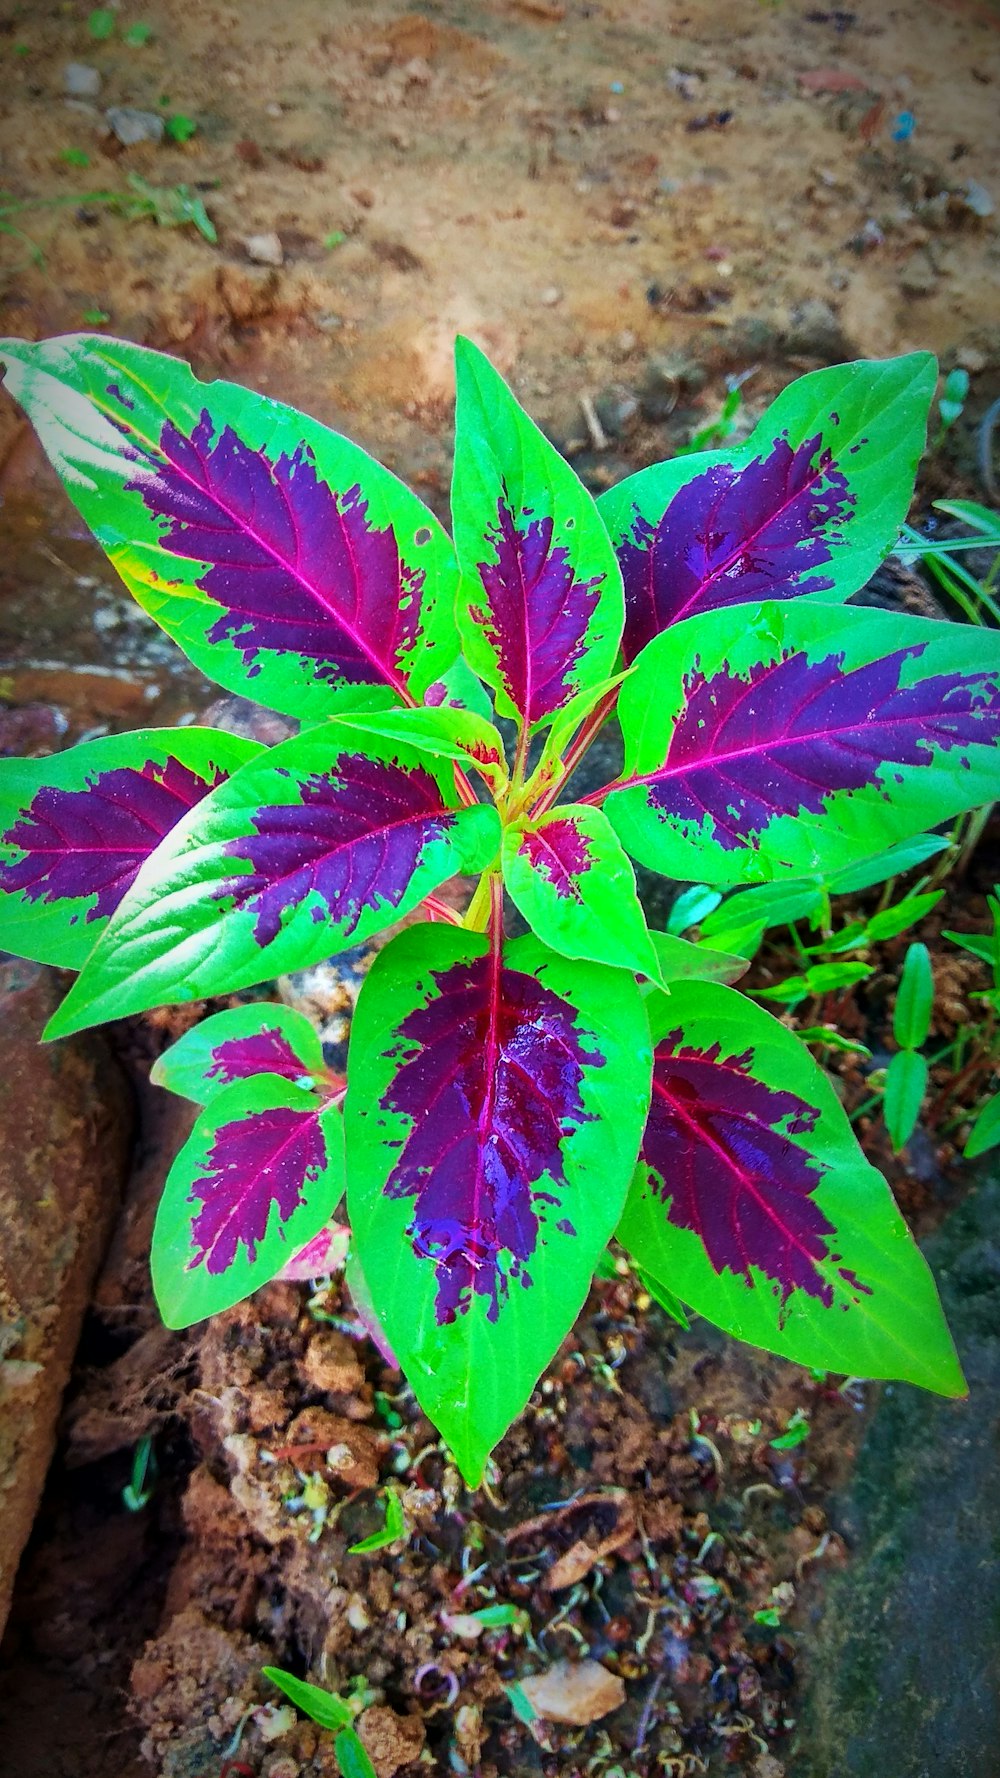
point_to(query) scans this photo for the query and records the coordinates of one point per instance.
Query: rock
(391, 1741)
(617, 409)
(904, 1669)
(574, 1691)
(81, 82)
(240, 716)
(131, 126)
(264, 249)
(918, 277)
(327, 994)
(65, 1130)
(550, 296)
(815, 332)
(667, 377)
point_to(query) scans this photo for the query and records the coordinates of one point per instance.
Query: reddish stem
(438, 910)
(571, 759)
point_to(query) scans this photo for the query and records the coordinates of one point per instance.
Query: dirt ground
(626, 203)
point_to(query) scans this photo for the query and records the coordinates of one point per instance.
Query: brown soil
(738, 205)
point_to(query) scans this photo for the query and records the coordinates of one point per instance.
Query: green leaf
(568, 874)
(136, 35)
(985, 1133)
(894, 920)
(258, 1177)
(179, 127)
(911, 1020)
(753, 1203)
(795, 740)
(237, 1044)
(312, 847)
(540, 605)
(324, 1707)
(76, 827)
(664, 1298)
(479, 1230)
(393, 1529)
(693, 907)
(809, 505)
(905, 1086)
(345, 585)
(443, 732)
(821, 978)
(101, 24)
(680, 961)
(352, 1757)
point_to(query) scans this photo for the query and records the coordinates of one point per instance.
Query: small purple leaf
(536, 615)
(238, 1045)
(260, 1175)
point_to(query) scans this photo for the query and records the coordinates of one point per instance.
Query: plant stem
(572, 757)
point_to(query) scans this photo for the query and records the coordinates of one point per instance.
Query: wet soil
(628, 203)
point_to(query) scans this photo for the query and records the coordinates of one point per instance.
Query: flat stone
(265, 249)
(65, 1132)
(574, 1691)
(132, 126)
(81, 81)
(905, 1666)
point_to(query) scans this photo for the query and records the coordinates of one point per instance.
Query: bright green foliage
(511, 1103)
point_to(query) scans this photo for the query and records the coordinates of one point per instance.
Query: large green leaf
(282, 558)
(310, 848)
(753, 1203)
(76, 828)
(810, 504)
(801, 738)
(492, 1120)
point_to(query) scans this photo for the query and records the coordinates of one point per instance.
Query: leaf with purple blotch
(754, 1204)
(540, 604)
(461, 735)
(322, 1257)
(493, 1118)
(810, 504)
(76, 828)
(313, 847)
(259, 1176)
(568, 874)
(236, 1045)
(284, 560)
(801, 740)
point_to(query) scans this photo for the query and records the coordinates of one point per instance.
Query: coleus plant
(512, 1102)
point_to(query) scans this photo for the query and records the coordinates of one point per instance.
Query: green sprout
(101, 24)
(139, 1491)
(795, 1433)
(179, 127)
(393, 1529)
(330, 1712)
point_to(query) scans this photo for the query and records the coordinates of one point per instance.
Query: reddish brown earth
(738, 206)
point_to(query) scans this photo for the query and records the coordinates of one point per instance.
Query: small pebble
(550, 296)
(81, 82)
(574, 1691)
(131, 126)
(264, 249)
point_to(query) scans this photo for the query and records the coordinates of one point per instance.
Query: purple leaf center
(490, 1077)
(790, 734)
(262, 1052)
(296, 564)
(264, 1160)
(537, 613)
(93, 841)
(718, 1147)
(560, 854)
(734, 534)
(355, 840)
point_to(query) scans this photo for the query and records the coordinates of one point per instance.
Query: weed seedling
(330, 1712)
(512, 1103)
